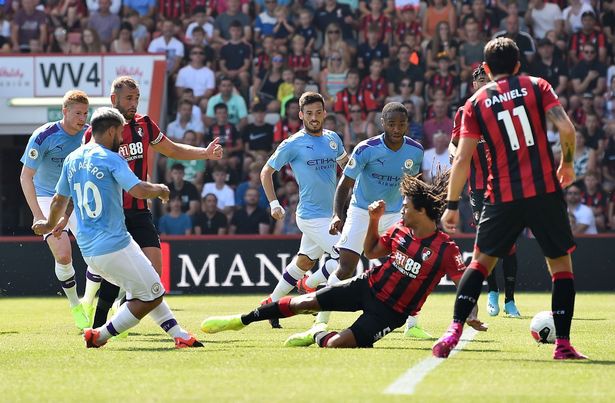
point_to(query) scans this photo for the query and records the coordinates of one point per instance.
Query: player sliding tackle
(419, 256)
(94, 176)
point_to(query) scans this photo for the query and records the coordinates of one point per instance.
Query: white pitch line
(406, 383)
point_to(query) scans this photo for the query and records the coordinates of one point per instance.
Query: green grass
(43, 358)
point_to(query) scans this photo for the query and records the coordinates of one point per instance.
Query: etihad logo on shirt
(506, 96)
(322, 163)
(386, 180)
(406, 265)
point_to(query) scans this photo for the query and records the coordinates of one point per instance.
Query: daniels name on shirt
(507, 96)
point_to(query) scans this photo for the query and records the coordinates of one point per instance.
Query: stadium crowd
(236, 69)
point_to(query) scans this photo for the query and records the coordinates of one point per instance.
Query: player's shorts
(316, 239)
(44, 202)
(546, 215)
(355, 228)
(353, 295)
(140, 225)
(130, 270)
(477, 199)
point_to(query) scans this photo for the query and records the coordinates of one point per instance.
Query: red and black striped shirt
(510, 115)
(378, 87)
(173, 9)
(479, 169)
(414, 268)
(579, 39)
(138, 134)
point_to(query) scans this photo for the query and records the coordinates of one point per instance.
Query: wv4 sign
(54, 77)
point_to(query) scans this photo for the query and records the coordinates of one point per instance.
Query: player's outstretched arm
(147, 190)
(186, 152)
(567, 137)
(56, 211)
(342, 193)
(27, 185)
(372, 248)
(277, 211)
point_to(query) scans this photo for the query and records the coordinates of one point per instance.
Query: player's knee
(305, 304)
(344, 271)
(304, 263)
(337, 341)
(64, 258)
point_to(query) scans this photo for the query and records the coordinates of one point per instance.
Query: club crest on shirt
(408, 164)
(426, 254)
(352, 163)
(156, 288)
(140, 132)
(333, 145)
(33, 154)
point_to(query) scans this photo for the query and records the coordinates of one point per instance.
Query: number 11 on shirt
(520, 112)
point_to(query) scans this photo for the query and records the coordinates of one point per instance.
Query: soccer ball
(542, 327)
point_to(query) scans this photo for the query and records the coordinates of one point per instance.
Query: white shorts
(316, 239)
(44, 202)
(355, 228)
(130, 270)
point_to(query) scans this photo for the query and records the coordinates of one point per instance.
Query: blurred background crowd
(236, 69)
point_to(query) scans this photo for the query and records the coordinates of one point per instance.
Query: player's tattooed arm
(566, 130)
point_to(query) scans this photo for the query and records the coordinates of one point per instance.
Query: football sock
(289, 279)
(92, 284)
(164, 318)
(108, 293)
(492, 283)
(119, 323)
(510, 276)
(322, 338)
(66, 274)
(562, 303)
(323, 317)
(469, 290)
(322, 275)
(273, 310)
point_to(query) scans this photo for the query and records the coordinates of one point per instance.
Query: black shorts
(377, 319)
(141, 226)
(477, 199)
(546, 215)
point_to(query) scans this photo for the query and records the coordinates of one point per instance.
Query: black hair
(259, 107)
(429, 196)
(310, 98)
(393, 107)
(220, 105)
(105, 118)
(235, 24)
(479, 73)
(501, 55)
(178, 166)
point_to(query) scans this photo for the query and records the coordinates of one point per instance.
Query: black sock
(321, 338)
(492, 283)
(509, 264)
(272, 310)
(468, 292)
(562, 303)
(106, 296)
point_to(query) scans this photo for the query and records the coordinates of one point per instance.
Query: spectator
(372, 49)
(298, 90)
(608, 23)
(438, 11)
(66, 14)
(210, 221)
(595, 198)
(552, 69)
(374, 83)
(237, 110)
(333, 77)
(484, 19)
(333, 43)
(288, 225)
(470, 52)
(588, 34)
(104, 21)
(199, 38)
(124, 42)
(28, 23)
(584, 221)
(250, 219)
(595, 137)
(442, 42)
(224, 20)
(283, 29)
(59, 41)
(415, 130)
(333, 12)
(376, 18)
(608, 168)
(140, 33)
(407, 23)
(589, 75)
(258, 136)
(184, 122)
(226, 133)
(404, 69)
(264, 54)
(225, 195)
(145, 8)
(236, 57)
(193, 169)
(444, 79)
(168, 44)
(265, 85)
(90, 42)
(96, 5)
(572, 15)
(287, 87)
(307, 30)
(196, 76)
(299, 60)
(439, 123)
(436, 158)
(253, 182)
(289, 125)
(353, 95)
(202, 20)
(266, 20)
(543, 17)
(175, 222)
(523, 40)
(357, 127)
(584, 157)
(186, 191)
(405, 94)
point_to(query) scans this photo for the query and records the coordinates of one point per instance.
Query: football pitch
(42, 358)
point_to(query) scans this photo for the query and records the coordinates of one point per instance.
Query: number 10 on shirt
(83, 199)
